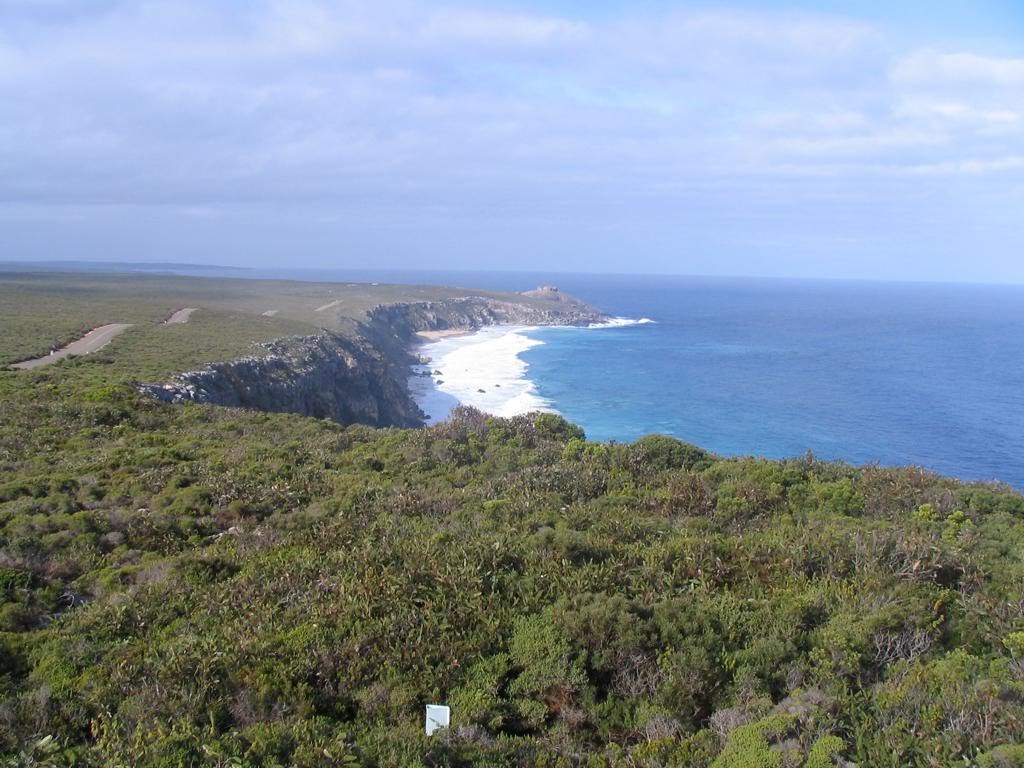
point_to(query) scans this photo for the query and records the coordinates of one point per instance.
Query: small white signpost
(438, 716)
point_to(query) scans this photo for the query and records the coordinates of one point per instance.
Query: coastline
(479, 368)
(482, 368)
(362, 373)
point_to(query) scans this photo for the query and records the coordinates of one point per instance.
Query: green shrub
(661, 452)
(751, 746)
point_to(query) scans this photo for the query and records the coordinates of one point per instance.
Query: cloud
(323, 97)
(973, 167)
(501, 29)
(958, 111)
(412, 111)
(932, 68)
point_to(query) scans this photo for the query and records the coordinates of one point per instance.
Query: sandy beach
(480, 368)
(445, 334)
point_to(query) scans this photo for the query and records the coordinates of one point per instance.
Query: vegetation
(191, 585)
(39, 312)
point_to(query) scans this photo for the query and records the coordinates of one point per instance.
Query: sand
(482, 369)
(445, 334)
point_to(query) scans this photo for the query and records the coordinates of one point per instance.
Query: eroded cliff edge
(362, 378)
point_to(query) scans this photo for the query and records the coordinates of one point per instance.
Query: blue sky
(824, 139)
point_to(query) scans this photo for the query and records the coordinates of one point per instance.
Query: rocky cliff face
(472, 312)
(326, 376)
(362, 380)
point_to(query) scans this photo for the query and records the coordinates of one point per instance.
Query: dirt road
(181, 316)
(94, 340)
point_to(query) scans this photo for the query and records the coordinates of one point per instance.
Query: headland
(337, 351)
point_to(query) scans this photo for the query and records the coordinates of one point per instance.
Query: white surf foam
(483, 370)
(621, 322)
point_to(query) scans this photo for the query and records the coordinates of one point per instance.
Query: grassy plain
(42, 311)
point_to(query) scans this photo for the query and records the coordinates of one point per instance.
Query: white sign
(438, 716)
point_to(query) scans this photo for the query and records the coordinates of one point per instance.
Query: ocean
(893, 373)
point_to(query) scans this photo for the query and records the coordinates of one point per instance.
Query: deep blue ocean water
(921, 374)
(895, 373)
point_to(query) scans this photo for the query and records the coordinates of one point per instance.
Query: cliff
(326, 376)
(472, 312)
(362, 379)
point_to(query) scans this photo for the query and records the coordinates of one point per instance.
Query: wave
(482, 370)
(622, 322)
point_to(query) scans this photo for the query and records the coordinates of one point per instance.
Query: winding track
(94, 340)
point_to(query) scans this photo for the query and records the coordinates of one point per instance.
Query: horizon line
(7, 264)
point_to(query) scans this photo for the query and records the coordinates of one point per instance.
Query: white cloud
(945, 70)
(841, 148)
(961, 115)
(501, 29)
(798, 34)
(971, 167)
(957, 110)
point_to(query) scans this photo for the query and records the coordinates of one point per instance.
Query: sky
(867, 139)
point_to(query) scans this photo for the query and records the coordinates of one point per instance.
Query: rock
(326, 376)
(472, 312)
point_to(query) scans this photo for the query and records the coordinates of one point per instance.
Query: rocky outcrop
(363, 379)
(549, 292)
(327, 376)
